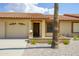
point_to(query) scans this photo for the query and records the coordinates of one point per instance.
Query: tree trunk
(55, 27)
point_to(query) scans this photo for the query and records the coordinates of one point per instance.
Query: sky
(44, 8)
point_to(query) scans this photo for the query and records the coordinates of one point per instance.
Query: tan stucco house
(31, 25)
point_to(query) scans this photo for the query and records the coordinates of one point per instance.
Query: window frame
(73, 27)
(47, 27)
(12, 23)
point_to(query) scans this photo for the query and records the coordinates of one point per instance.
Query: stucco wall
(19, 31)
(43, 28)
(48, 34)
(22, 31)
(65, 28)
(2, 29)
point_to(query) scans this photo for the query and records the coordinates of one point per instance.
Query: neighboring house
(35, 25)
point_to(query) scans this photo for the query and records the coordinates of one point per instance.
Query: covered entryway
(16, 30)
(36, 29)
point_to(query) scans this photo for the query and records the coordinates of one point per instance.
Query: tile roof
(62, 17)
(72, 15)
(38, 15)
(21, 15)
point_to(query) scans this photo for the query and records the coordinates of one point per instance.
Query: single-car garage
(16, 30)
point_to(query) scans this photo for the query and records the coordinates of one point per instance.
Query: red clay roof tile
(38, 15)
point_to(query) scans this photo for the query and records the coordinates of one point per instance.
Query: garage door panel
(17, 31)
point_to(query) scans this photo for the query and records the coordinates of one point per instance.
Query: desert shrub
(66, 41)
(28, 41)
(61, 38)
(49, 41)
(76, 36)
(33, 41)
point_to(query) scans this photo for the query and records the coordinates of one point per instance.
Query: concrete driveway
(12, 47)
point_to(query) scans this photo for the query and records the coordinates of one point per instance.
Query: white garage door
(75, 27)
(16, 30)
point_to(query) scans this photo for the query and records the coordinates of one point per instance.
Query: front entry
(36, 29)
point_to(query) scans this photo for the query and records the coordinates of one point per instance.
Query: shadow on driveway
(24, 48)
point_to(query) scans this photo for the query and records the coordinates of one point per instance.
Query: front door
(36, 29)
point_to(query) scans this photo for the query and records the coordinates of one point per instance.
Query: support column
(5, 30)
(43, 28)
(30, 29)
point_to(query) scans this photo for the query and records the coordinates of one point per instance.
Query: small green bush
(28, 41)
(33, 41)
(76, 37)
(49, 41)
(66, 41)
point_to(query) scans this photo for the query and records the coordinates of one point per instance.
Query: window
(49, 27)
(75, 27)
(21, 24)
(12, 23)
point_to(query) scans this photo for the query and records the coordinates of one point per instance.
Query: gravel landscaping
(64, 50)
